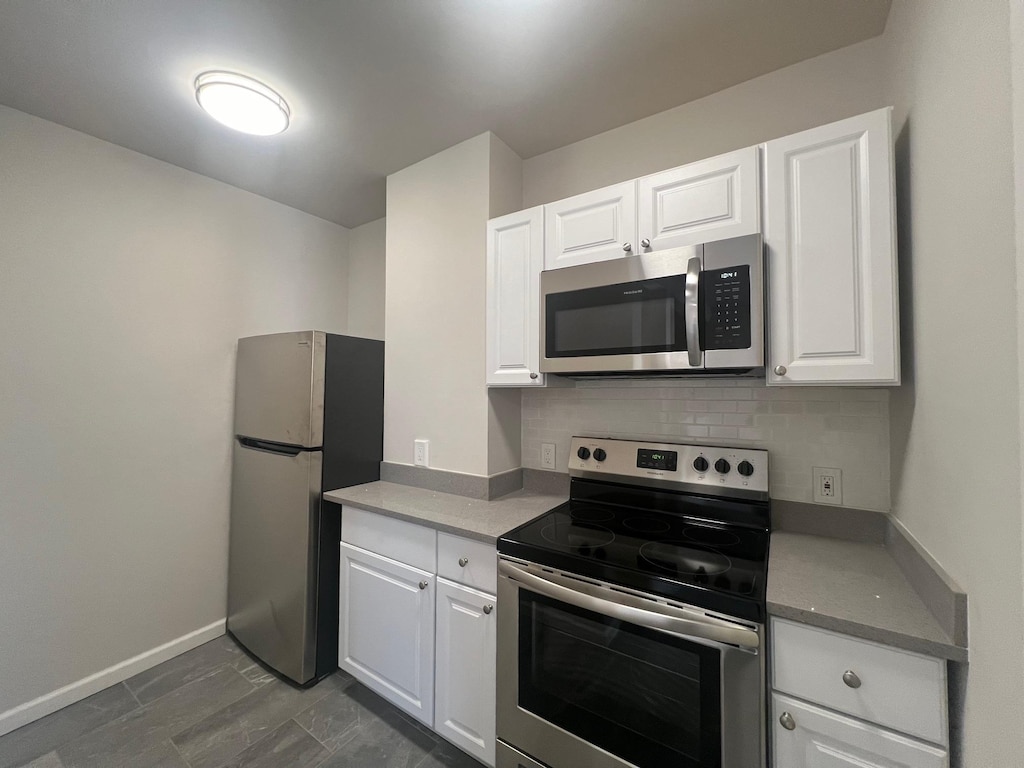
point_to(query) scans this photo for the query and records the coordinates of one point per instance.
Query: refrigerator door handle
(265, 445)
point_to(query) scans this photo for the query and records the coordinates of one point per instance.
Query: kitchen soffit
(376, 85)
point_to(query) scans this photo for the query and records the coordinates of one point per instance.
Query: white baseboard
(87, 686)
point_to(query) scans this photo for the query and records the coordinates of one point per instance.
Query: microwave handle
(691, 312)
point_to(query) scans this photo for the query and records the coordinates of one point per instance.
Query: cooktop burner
(696, 539)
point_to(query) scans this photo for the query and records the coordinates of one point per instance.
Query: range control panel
(716, 469)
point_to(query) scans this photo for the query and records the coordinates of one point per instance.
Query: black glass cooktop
(721, 566)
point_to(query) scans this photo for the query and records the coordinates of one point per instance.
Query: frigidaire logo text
(629, 293)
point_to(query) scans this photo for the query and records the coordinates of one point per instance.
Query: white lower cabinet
(464, 704)
(813, 737)
(843, 702)
(386, 633)
(424, 642)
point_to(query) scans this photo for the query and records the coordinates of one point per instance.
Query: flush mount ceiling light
(242, 103)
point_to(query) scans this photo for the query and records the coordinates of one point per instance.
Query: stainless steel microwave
(692, 310)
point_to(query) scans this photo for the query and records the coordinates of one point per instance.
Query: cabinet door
(829, 232)
(515, 258)
(594, 226)
(386, 633)
(466, 667)
(823, 739)
(713, 199)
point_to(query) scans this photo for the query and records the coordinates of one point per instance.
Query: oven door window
(649, 698)
(625, 319)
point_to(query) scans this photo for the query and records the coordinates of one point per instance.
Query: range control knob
(700, 464)
(722, 466)
(599, 454)
(745, 468)
(583, 453)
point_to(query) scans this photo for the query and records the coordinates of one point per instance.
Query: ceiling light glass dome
(242, 103)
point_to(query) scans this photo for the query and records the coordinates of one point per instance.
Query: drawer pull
(851, 679)
(786, 721)
(424, 584)
(488, 608)
(463, 561)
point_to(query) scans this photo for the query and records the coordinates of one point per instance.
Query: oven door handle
(655, 616)
(691, 312)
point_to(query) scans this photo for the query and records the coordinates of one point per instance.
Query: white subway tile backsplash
(802, 427)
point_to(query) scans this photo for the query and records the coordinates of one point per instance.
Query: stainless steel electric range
(631, 632)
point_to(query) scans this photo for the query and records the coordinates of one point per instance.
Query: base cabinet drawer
(805, 736)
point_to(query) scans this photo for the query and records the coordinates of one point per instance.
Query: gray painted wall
(124, 283)
(956, 428)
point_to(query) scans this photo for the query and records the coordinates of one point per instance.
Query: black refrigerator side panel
(353, 450)
(353, 411)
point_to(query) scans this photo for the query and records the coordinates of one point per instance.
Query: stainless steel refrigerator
(309, 417)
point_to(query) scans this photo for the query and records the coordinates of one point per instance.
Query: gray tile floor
(214, 706)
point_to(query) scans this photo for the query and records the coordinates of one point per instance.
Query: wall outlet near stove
(547, 455)
(828, 485)
(421, 453)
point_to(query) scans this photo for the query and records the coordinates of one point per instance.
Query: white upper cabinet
(712, 199)
(594, 226)
(515, 258)
(829, 227)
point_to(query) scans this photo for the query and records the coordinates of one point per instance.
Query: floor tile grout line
(178, 752)
(131, 692)
(329, 750)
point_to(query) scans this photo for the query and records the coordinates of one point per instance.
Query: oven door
(595, 676)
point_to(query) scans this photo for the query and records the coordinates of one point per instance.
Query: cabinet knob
(645, 243)
(780, 370)
(851, 679)
(463, 561)
(423, 585)
(533, 375)
(627, 247)
(786, 721)
(488, 608)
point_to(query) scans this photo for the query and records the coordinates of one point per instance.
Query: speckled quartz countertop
(854, 588)
(473, 518)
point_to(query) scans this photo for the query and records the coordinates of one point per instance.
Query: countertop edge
(893, 639)
(424, 521)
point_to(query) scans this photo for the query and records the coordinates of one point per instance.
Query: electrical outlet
(828, 485)
(547, 455)
(421, 453)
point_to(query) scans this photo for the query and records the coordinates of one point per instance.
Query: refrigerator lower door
(272, 561)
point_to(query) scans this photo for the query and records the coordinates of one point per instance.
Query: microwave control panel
(725, 310)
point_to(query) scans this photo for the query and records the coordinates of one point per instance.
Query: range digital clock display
(647, 458)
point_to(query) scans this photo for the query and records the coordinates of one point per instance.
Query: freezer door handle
(265, 445)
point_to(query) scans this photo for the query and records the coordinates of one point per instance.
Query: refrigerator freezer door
(275, 513)
(279, 388)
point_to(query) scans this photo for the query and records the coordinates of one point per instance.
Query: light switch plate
(421, 453)
(828, 485)
(547, 455)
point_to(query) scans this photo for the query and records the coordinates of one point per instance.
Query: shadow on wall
(901, 409)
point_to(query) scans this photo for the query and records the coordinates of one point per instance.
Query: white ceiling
(376, 85)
